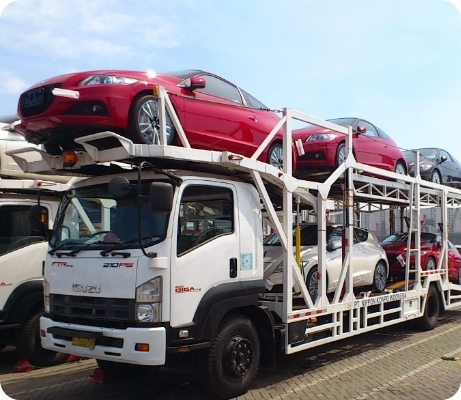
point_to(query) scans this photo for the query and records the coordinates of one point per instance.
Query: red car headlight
(317, 137)
(107, 80)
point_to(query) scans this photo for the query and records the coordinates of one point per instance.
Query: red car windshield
(403, 237)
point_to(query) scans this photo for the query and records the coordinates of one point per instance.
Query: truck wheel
(30, 348)
(431, 312)
(231, 364)
(144, 124)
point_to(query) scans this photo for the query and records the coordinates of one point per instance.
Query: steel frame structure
(329, 317)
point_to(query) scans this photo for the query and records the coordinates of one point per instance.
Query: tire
(312, 282)
(275, 156)
(232, 362)
(435, 177)
(380, 276)
(431, 311)
(401, 169)
(144, 125)
(431, 265)
(340, 154)
(52, 148)
(30, 348)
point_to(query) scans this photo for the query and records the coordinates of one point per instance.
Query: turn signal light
(69, 158)
(42, 333)
(142, 347)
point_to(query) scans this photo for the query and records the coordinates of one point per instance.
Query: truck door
(22, 251)
(207, 247)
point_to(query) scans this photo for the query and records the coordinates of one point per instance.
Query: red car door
(217, 119)
(369, 147)
(454, 263)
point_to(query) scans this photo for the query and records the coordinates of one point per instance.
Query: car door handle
(233, 268)
(253, 118)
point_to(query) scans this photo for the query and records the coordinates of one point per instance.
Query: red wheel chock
(25, 366)
(101, 377)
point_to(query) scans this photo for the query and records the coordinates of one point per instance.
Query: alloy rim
(341, 154)
(149, 123)
(313, 285)
(276, 157)
(380, 276)
(435, 177)
(400, 169)
(430, 265)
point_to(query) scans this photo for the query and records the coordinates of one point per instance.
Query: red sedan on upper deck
(325, 149)
(214, 113)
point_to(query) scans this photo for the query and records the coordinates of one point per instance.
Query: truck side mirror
(161, 197)
(38, 218)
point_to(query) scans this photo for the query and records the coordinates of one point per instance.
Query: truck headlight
(145, 313)
(149, 301)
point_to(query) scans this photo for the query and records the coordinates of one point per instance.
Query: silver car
(370, 261)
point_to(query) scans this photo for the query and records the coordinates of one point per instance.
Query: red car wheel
(144, 124)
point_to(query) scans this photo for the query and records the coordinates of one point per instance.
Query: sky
(395, 63)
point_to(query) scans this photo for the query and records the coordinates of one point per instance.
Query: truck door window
(15, 229)
(206, 212)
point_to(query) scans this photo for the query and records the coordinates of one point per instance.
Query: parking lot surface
(397, 362)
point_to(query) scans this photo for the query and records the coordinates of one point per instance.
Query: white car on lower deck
(371, 267)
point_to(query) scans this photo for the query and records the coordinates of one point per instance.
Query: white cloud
(3, 4)
(86, 29)
(11, 84)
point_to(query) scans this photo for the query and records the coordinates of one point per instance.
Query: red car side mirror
(361, 129)
(192, 83)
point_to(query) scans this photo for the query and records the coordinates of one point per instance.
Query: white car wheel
(312, 283)
(380, 276)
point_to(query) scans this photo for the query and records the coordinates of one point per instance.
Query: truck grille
(94, 311)
(36, 101)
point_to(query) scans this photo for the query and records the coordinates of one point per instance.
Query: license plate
(82, 342)
(33, 98)
(401, 260)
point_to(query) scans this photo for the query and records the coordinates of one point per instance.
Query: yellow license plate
(82, 342)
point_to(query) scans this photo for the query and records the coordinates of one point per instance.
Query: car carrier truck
(163, 264)
(23, 250)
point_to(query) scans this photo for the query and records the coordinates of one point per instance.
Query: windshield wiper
(79, 249)
(123, 245)
(54, 249)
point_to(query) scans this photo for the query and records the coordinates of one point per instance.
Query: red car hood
(72, 80)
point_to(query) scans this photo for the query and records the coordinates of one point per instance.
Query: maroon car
(325, 149)
(215, 114)
(395, 247)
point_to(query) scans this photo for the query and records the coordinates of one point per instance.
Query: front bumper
(154, 337)
(321, 154)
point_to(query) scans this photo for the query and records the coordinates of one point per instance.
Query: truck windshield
(91, 218)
